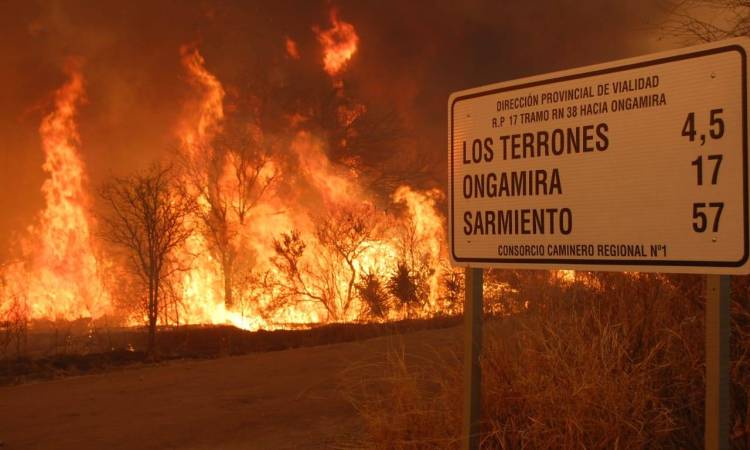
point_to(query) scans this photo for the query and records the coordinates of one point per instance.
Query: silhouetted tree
(345, 235)
(404, 286)
(230, 177)
(329, 276)
(708, 20)
(146, 217)
(14, 316)
(374, 296)
(452, 281)
(289, 284)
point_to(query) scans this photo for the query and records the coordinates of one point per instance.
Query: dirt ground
(277, 400)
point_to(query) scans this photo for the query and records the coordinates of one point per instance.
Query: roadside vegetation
(602, 360)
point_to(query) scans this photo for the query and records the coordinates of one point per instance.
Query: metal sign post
(717, 361)
(472, 351)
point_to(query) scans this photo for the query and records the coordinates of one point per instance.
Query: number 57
(700, 221)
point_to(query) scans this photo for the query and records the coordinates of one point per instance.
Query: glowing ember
(339, 44)
(291, 48)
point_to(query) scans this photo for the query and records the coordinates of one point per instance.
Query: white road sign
(639, 164)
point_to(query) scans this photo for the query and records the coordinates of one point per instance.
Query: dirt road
(279, 400)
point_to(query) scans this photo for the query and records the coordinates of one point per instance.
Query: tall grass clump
(596, 361)
(407, 401)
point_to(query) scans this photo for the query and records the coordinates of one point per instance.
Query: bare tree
(345, 236)
(330, 278)
(146, 217)
(708, 20)
(229, 178)
(14, 312)
(290, 281)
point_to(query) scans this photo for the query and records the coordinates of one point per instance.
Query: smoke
(410, 56)
(417, 53)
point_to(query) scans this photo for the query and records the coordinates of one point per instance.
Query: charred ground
(74, 349)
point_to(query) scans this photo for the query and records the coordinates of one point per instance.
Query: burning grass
(608, 361)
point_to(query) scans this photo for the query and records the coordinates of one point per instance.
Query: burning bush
(406, 287)
(453, 291)
(374, 296)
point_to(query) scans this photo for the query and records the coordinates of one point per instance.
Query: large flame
(320, 189)
(201, 295)
(208, 112)
(339, 43)
(59, 274)
(229, 267)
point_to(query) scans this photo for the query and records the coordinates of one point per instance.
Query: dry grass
(407, 401)
(608, 361)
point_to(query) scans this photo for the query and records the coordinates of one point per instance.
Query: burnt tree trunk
(153, 312)
(228, 269)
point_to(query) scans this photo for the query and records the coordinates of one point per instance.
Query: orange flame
(60, 278)
(428, 230)
(318, 182)
(339, 44)
(59, 275)
(201, 284)
(199, 129)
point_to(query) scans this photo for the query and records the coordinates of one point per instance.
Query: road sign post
(472, 352)
(717, 362)
(635, 165)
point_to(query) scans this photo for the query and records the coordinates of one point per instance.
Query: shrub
(374, 296)
(404, 286)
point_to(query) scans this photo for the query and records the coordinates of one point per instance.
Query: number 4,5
(716, 123)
